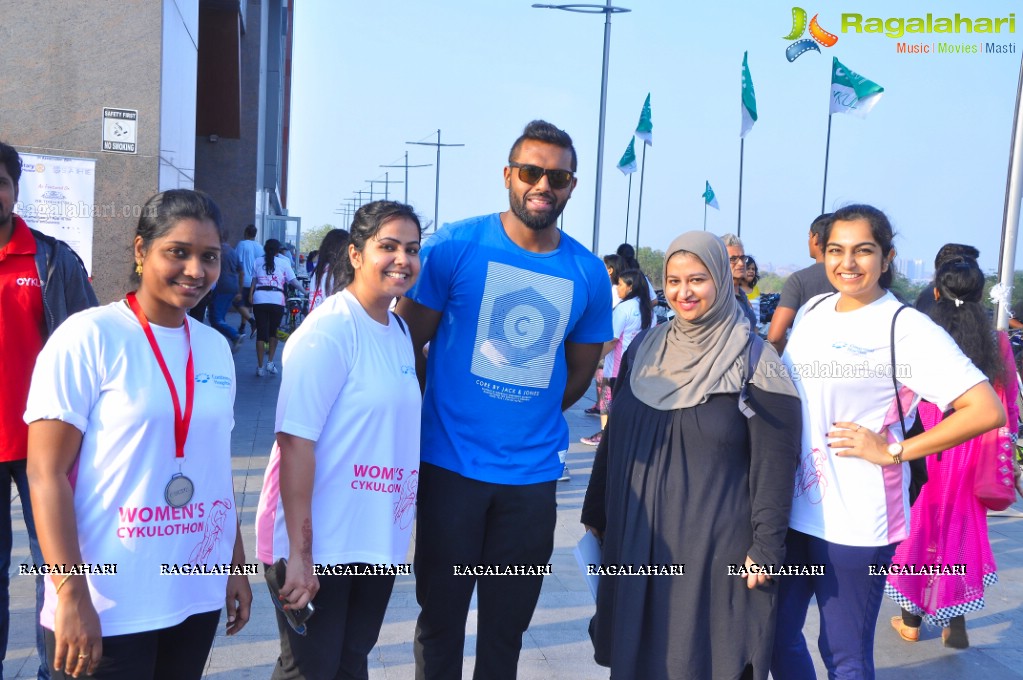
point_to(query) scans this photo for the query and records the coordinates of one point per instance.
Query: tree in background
(652, 263)
(770, 282)
(311, 239)
(905, 290)
(1017, 289)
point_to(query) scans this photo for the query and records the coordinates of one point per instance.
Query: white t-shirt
(98, 373)
(627, 322)
(322, 290)
(650, 291)
(349, 384)
(283, 273)
(841, 366)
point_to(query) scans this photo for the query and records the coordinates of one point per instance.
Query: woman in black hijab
(684, 477)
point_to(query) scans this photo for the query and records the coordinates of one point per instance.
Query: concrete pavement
(556, 646)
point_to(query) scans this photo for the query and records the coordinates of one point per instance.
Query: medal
(179, 491)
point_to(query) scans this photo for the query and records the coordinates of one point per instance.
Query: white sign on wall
(120, 130)
(57, 197)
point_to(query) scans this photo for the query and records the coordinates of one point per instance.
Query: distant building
(209, 79)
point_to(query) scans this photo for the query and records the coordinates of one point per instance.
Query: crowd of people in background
(444, 367)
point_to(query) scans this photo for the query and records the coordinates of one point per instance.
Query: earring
(138, 268)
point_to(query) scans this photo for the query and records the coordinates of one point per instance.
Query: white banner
(57, 196)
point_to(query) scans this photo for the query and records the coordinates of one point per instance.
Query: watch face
(895, 449)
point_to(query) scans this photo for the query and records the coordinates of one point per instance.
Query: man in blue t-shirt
(516, 313)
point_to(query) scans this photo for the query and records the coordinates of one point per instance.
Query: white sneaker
(271, 368)
(566, 476)
(260, 372)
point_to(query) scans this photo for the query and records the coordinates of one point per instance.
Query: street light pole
(436, 194)
(407, 166)
(607, 10)
(372, 188)
(353, 205)
(386, 181)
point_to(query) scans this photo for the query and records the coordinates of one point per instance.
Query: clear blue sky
(933, 153)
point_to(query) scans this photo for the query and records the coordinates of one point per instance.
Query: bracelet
(61, 584)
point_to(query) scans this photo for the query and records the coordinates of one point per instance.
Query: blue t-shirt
(496, 373)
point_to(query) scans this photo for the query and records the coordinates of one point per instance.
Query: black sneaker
(592, 411)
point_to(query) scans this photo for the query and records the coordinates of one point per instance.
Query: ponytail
(960, 285)
(270, 250)
(638, 288)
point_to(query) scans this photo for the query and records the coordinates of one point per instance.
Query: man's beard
(536, 221)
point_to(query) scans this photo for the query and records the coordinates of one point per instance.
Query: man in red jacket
(42, 282)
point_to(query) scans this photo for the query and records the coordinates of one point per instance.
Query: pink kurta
(948, 526)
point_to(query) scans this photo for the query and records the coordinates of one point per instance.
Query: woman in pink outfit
(949, 524)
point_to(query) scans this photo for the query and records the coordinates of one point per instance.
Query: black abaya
(704, 487)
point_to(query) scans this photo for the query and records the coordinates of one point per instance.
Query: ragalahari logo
(819, 35)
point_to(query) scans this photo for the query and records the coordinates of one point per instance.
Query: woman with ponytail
(266, 295)
(631, 315)
(349, 402)
(948, 523)
(327, 276)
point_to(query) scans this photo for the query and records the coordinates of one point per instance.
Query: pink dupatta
(948, 528)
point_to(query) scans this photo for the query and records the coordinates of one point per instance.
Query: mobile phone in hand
(296, 618)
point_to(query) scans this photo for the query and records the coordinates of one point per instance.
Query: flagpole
(827, 152)
(639, 210)
(628, 204)
(742, 151)
(705, 214)
(1010, 222)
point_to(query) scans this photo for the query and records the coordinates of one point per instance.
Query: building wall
(61, 67)
(177, 94)
(226, 169)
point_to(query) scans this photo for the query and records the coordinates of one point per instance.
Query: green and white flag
(710, 198)
(851, 92)
(645, 129)
(749, 99)
(628, 163)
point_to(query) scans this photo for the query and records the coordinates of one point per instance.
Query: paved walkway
(556, 646)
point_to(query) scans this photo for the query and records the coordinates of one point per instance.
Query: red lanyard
(180, 421)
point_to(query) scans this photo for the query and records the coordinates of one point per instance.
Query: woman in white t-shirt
(850, 505)
(327, 276)
(339, 492)
(130, 416)
(629, 317)
(271, 274)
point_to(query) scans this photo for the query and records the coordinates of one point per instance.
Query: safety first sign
(120, 130)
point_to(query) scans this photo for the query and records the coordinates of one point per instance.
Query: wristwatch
(895, 451)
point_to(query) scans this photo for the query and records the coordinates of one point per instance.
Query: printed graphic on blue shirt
(522, 320)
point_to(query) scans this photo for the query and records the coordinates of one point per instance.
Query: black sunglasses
(531, 174)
